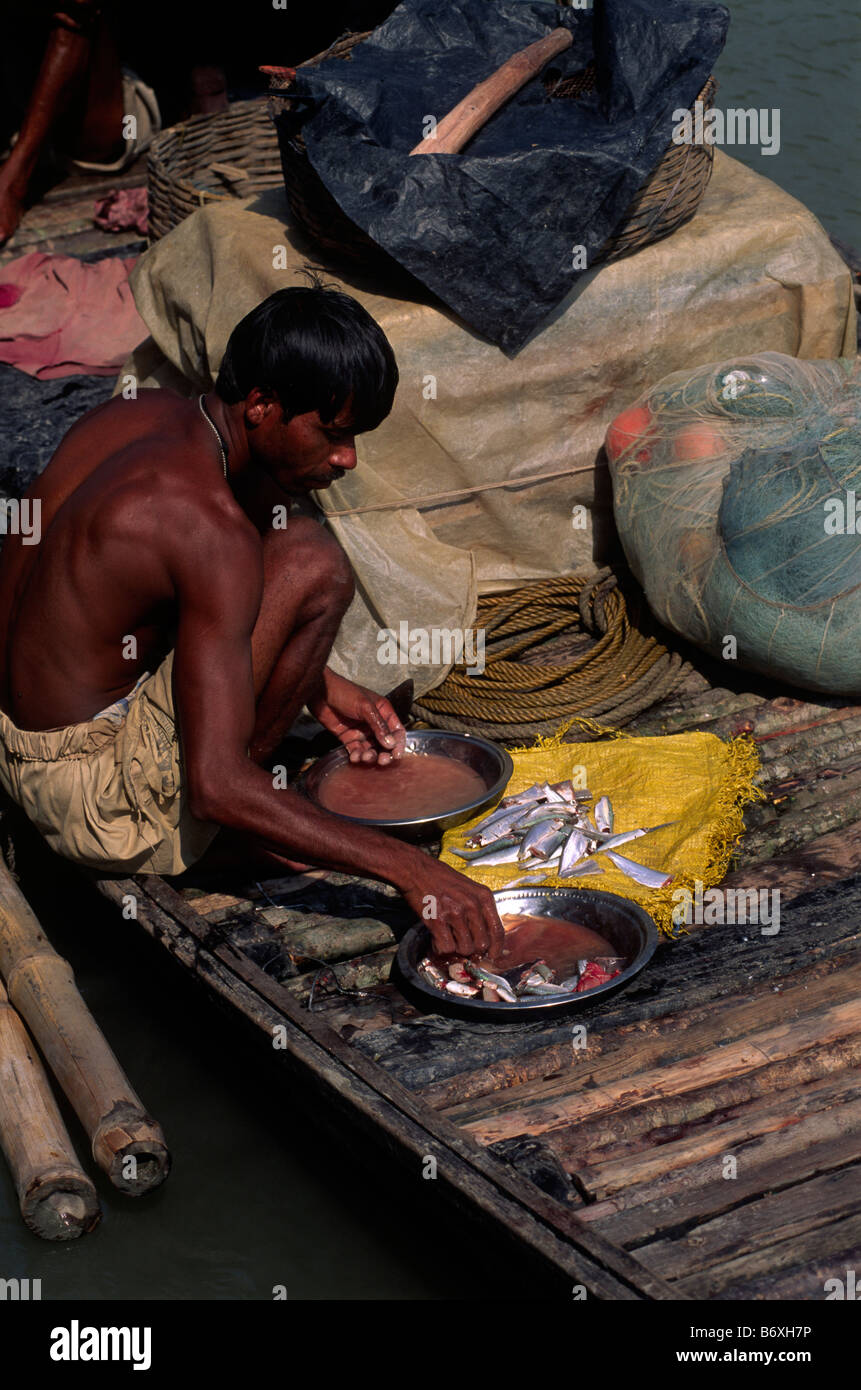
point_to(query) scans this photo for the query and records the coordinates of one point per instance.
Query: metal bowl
(626, 925)
(491, 762)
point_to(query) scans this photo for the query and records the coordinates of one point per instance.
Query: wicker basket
(235, 154)
(206, 159)
(669, 198)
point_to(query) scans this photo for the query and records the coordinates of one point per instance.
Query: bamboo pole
(458, 127)
(57, 1199)
(126, 1142)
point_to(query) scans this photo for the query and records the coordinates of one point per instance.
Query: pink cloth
(124, 209)
(70, 317)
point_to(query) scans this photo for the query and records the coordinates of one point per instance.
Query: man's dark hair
(313, 347)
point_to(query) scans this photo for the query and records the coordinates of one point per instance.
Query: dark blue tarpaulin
(492, 230)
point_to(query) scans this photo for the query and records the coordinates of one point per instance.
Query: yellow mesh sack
(697, 780)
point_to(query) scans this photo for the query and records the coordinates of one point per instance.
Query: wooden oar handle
(461, 123)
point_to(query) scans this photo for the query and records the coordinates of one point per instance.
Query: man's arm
(218, 577)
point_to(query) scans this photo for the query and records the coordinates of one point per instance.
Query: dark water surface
(804, 59)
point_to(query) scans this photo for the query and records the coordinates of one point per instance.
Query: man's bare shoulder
(164, 495)
(147, 474)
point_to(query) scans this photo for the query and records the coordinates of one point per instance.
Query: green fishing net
(735, 492)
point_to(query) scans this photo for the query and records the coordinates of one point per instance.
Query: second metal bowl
(626, 925)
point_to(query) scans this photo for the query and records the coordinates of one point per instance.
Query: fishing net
(735, 497)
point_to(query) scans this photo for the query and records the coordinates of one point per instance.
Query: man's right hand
(460, 915)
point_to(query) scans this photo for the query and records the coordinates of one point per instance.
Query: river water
(260, 1196)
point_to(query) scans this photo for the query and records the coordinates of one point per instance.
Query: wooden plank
(794, 829)
(830, 1106)
(678, 1202)
(642, 1041)
(358, 973)
(783, 1040)
(548, 1227)
(780, 1216)
(825, 859)
(802, 1283)
(630, 1051)
(621, 1133)
(834, 1239)
(384, 1006)
(785, 753)
(220, 905)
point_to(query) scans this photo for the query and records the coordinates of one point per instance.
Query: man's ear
(259, 402)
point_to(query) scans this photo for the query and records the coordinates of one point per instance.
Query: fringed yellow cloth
(698, 780)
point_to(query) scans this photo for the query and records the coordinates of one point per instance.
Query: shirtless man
(158, 555)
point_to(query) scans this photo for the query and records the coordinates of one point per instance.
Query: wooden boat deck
(696, 1136)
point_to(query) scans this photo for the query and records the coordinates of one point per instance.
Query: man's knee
(307, 554)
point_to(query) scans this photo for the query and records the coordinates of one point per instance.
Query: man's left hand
(365, 722)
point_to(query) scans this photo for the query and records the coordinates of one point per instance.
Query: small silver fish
(575, 848)
(650, 878)
(496, 815)
(519, 978)
(537, 974)
(433, 976)
(543, 839)
(603, 814)
(535, 815)
(519, 798)
(533, 877)
(589, 866)
(462, 991)
(612, 841)
(498, 824)
(551, 794)
(486, 977)
(503, 852)
(486, 839)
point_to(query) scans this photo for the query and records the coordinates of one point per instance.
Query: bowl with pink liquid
(565, 928)
(442, 780)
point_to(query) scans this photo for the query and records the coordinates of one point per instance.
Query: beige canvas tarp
(489, 470)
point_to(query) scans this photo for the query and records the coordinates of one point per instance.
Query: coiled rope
(561, 649)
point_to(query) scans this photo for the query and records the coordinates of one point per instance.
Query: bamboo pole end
(131, 1148)
(61, 1205)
